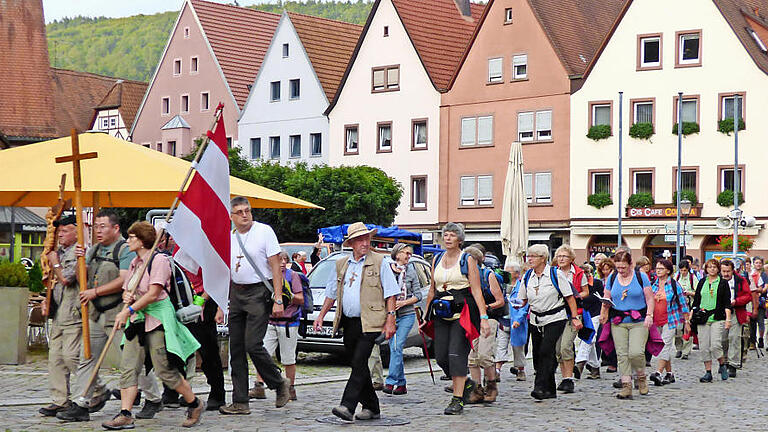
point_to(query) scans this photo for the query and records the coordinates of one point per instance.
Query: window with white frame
(690, 110)
(495, 70)
(758, 40)
(274, 91)
(177, 67)
(315, 144)
(688, 179)
(538, 187)
(726, 179)
(468, 186)
(274, 147)
(528, 187)
(601, 114)
(520, 66)
(112, 121)
(295, 144)
(476, 190)
(642, 182)
(105, 123)
(184, 103)
(485, 190)
(643, 112)
(295, 89)
(419, 192)
(351, 139)
(508, 16)
(166, 105)
(689, 48)
(384, 140)
(285, 50)
(205, 101)
(419, 134)
(601, 183)
(525, 126)
(543, 125)
(650, 52)
(477, 130)
(255, 148)
(193, 65)
(726, 107)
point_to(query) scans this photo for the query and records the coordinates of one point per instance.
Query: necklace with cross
(352, 279)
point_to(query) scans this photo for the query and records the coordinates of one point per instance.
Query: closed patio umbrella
(514, 211)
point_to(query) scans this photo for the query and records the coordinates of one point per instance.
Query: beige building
(710, 50)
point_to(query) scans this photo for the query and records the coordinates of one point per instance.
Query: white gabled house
(283, 119)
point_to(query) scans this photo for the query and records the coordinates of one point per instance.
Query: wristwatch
(279, 301)
(393, 313)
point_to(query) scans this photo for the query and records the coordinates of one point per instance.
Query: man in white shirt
(251, 301)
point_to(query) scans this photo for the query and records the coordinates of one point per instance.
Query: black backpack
(181, 291)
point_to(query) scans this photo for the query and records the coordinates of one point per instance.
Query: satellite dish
(723, 222)
(747, 222)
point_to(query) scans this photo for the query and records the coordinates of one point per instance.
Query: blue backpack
(309, 303)
(552, 277)
(484, 274)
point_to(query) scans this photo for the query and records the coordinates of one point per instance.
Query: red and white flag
(201, 223)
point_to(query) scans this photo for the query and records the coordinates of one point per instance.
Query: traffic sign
(671, 228)
(684, 239)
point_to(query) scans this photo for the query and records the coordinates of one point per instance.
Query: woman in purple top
(631, 316)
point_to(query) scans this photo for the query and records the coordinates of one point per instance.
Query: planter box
(13, 322)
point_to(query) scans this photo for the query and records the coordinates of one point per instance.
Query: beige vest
(373, 310)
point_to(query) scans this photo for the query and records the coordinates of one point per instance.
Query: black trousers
(205, 333)
(358, 347)
(755, 323)
(249, 310)
(451, 347)
(544, 340)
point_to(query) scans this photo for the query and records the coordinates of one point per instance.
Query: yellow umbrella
(123, 175)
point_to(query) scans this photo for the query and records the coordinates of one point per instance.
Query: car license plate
(325, 331)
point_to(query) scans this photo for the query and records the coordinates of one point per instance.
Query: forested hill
(131, 47)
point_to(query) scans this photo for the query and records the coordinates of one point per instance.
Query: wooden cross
(237, 265)
(352, 279)
(82, 277)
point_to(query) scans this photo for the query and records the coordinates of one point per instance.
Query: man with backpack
(283, 329)
(107, 263)
(481, 357)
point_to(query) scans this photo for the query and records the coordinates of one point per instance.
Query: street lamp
(685, 210)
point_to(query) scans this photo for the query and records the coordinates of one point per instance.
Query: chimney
(463, 7)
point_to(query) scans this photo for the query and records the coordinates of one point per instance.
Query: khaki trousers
(732, 343)
(132, 361)
(711, 340)
(629, 340)
(63, 359)
(484, 348)
(374, 365)
(564, 349)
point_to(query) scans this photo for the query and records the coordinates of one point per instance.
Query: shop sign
(659, 211)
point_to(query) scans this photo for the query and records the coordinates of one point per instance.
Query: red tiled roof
(744, 14)
(329, 45)
(26, 95)
(577, 28)
(439, 33)
(76, 94)
(126, 96)
(239, 38)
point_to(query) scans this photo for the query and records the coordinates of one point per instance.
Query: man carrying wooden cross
(107, 266)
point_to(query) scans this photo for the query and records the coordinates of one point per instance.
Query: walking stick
(133, 282)
(424, 342)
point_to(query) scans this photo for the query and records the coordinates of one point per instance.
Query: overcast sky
(57, 9)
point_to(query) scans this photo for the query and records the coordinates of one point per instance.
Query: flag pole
(133, 282)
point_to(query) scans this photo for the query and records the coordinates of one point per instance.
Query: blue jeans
(396, 375)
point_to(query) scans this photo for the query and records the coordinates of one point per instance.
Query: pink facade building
(212, 56)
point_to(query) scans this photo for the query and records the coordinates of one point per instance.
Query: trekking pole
(133, 282)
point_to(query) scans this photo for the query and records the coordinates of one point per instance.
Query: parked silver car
(324, 341)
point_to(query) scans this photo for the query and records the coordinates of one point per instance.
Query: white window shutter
(468, 130)
(485, 130)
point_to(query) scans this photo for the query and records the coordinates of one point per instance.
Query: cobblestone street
(685, 405)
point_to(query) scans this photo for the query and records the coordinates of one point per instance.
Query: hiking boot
(366, 414)
(594, 373)
(283, 393)
(579, 369)
(378, 386)
(388, 388)
(656, 378)
(541, 395)
(617, 384)
(520, 375)
(669, 378)
(235, 408)
(448, 389)
(213, 404)
(75, 413)
(119, 422)
(477, 396)
(760, 343)
(455, 407)
(491, 392)
(194, 414)
(566, 386)
(52, 409)
(149, 410)
(469, 388)
(97, 403)
(626, 391)
(723, 371)
(400, 390)
(684, 357)
(707, 378)
(611, 369)
(642, 384)
(731, 371)
(292, 392)
(343, 413)
(257, 392)
(117, 396)
(679, 354)
(172, 400)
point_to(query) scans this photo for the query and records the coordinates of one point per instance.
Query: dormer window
(758, 41)
(386, 31)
